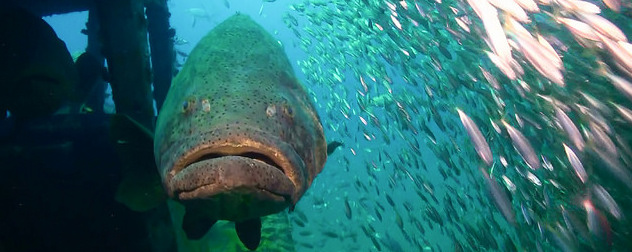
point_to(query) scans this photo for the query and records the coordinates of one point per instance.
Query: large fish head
(237, 130)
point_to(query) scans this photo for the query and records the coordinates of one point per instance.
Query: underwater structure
(63, 170)
(122, 33)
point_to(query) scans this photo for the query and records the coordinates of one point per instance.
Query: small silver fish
(523, 146)
(179, 41)
(500, 198)
(569, 127)
(576, 164)
(606, 201)
(480, 144)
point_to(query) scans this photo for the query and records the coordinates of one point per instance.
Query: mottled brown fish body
(237, 132)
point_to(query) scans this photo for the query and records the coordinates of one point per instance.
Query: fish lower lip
(240, 175)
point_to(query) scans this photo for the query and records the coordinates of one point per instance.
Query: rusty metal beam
(161, 43)
(50, 7)
(124, 34)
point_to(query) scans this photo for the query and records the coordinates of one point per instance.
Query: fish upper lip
(211, 152)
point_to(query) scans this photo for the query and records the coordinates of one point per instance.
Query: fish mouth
(254, 173)
(215, 172)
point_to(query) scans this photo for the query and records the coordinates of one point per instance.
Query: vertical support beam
(96, 98)
(161, 44)
(124, 34)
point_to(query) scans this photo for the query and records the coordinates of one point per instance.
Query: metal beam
(124, 33)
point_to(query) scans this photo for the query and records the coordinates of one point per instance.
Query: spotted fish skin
(237, 133)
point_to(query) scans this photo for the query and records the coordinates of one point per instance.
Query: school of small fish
(477, 125)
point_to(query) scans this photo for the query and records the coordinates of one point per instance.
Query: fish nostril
(271, 110)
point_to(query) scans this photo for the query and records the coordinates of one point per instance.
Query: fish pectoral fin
(249, 232)
(122, 125)
(140, 191)
(140, 188)
(332, 146)
(195, 225)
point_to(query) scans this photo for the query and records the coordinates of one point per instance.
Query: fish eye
(188, 105)
(185, 105)
(287, 110)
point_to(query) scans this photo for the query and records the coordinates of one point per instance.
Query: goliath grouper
(237, 137)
